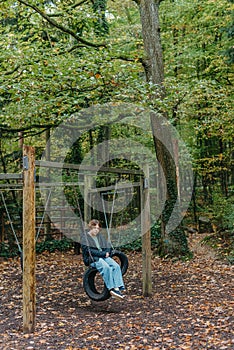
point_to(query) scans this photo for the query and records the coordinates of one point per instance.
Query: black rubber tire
(122, 259)
(89, 286)
(90, 274)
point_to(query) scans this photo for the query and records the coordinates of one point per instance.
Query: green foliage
(133, 246)
(156, 235)
(8, 250)
(229, 30)
(223, 212)
(199, 85)
(53, 245)
(82, 55)
(101, 25)
(136, 245)
(175, 246)
(53, 75)
(11, 250)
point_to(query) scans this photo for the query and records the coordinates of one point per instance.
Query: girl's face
(95, 229)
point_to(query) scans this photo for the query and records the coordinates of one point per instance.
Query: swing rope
(90, 273)
(113, 204)
(43, 216)
(10, 221)
(109, 226)
(81, 218)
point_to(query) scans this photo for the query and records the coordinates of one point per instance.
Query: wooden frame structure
(29, 265)
(29, 249)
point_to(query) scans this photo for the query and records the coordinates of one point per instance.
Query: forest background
(59, 57)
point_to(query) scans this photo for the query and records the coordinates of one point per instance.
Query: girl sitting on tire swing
(96, 253)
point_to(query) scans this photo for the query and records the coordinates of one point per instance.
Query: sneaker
(122, 289)
(116, 294)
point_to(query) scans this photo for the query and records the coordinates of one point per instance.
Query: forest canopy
(59, 57)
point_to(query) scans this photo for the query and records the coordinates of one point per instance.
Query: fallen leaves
(191, 307)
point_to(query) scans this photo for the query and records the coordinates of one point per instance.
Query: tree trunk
(153, 63)
(172, 243)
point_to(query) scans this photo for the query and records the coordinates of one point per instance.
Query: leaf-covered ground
(191, 307)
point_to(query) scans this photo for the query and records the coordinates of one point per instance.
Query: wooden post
(146, 234)
(29, 295)
(47, 224)
(87, 187)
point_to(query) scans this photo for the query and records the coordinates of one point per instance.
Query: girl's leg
(106, 272)
(116, 273)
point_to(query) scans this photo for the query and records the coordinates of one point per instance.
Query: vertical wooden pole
(146, 234)
(87, 208)
(47, 224)
(29, 295)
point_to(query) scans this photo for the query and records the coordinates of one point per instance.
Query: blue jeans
(110, 271)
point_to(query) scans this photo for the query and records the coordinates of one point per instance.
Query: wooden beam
(29, 294)
(146, 234)
(113, 187)
(87, 208)
(11, 187)
(49, 164)
(10, 176)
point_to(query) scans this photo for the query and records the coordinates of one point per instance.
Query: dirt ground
(192, 306)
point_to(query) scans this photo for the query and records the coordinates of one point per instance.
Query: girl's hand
(107, 255)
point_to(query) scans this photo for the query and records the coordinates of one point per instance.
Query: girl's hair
(94, 222)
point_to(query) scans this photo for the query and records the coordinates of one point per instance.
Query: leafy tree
(201, 81)
(54, 63)
(59, 57)
(172, 242)
(230, 34)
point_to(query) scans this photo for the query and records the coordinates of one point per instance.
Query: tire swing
(93, 283)
(92, 277)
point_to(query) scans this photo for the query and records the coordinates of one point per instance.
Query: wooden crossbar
(11, 176)
(48, 164)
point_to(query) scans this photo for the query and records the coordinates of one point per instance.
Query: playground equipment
(29, 228)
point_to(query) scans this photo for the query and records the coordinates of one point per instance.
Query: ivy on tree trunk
(172, 243)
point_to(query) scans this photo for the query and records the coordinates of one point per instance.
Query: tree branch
(4, 128)
(59, 26)
(57, 14)
(124, 58)
(73, 48)
(79, 3)
(12, 71)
